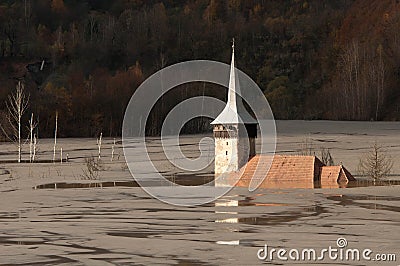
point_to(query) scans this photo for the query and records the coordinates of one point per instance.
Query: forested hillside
(316, 59)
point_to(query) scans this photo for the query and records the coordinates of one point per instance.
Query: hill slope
(317, 59)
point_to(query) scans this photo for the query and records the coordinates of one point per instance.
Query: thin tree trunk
(99, 141)
(19, 135)
(16, 105)
(112, 151)
(34, 147)
(55, 138)
(31, 138)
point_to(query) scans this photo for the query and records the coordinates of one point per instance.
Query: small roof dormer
(234, 111)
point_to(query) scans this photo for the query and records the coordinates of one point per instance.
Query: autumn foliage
(318, 59)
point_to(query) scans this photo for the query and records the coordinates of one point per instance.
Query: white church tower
(235, 130)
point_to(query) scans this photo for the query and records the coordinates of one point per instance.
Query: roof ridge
(287, 155)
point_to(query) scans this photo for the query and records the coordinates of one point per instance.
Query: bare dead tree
(34, 147)
(99, 142)
(162, 61)
(112, 150)
(349, 69)
(55, 138)
(362, 84)
(307, 147)
(32, 144)
(377, 163)
(380, 87)
(27, 12)
(92, 25)
(93, 167)
(16, 106)
(326, 157)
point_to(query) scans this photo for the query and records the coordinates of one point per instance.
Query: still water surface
(123, 225)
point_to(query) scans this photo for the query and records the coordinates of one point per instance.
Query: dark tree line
(84, 59)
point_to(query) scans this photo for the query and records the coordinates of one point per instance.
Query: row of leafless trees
(362, 74)
(361, 88)
(17, 105)
(377, 163)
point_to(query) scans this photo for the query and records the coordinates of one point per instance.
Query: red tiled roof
(330, 173)
(282, 171)
(274, 171)
(335, 174)
(283, 167)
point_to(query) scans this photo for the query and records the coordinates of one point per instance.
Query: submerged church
(236, 161)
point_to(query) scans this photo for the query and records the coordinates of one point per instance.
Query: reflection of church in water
(236, 161)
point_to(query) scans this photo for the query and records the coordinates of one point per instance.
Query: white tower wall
(233, 145)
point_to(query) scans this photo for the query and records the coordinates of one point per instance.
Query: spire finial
(233, 43)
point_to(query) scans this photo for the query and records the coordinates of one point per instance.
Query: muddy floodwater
(53, 213)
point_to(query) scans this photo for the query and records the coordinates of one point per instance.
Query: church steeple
(232, 82)
(234, 111)
(235, 129)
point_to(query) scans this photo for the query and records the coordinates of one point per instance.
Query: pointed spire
(234, 112)
(232, 82)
